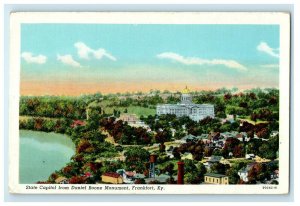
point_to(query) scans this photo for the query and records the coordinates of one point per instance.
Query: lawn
(139, 111)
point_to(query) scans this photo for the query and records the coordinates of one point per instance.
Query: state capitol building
(187, 108)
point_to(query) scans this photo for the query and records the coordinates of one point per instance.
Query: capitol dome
(185, 90)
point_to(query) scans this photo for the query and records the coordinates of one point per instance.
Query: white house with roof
(243, 173)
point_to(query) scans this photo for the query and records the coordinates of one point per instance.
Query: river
(41, 154)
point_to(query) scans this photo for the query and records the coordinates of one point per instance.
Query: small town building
(186, 138)
(129, 118)
(112, 177)
(274, 133)
(77, 123)
(187, 155)
(214, 136)
(213, 178)
(212, 160)
(243, 173)
(215, 159)
(226, 135)
(61, 180)
(138, 176)
(275, 174)
(133, 121)
(250, 156)
(162, 178)
(202, 137)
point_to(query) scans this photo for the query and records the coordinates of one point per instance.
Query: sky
(75, 59)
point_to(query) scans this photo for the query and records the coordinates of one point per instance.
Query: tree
(176, 153)
(136, 157)
(77, 180)
(201, 171)
(233, 176)
(263, 133)
(162, 147)
(238, 150)
(219, 168)
(231, 145)
(191, 178)
(163, 136)
(194, 171)
(83, 146)
(169, 169)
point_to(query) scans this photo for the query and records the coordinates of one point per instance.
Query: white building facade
(187, 108)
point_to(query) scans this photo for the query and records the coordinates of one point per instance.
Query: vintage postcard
(149, 103)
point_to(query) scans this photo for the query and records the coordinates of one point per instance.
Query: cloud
(68, 60)
(198, 61)
(86, 52)
(38, 59)
(264, 47)
(270, 65)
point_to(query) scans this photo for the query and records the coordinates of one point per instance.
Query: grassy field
(139, 111)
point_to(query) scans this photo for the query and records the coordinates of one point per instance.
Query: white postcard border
(279, 18)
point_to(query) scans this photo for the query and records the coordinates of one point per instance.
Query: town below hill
(120, 138)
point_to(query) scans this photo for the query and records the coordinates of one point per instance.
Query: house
(162, 178)
(126, 175)
(203, 137)
(213, 160)
(186, 155)
(214, 136)
(226, 135)
(275, 174)
(170, 149)
(61, 180)
(213, 178)
(129, 118)
(138, 176)
(112, 177)
(185, 139)
(140, 123)
(77, 123)
(88, 174)
(170, 155)
(243, 173)
(230, 118)
(220, 143)
(250, 156)
(242, 137)
(274, 133)
(173, 131)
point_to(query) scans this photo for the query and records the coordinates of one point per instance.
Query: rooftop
(60, 179)
(214, 175)
(215, 158)
(111, 174)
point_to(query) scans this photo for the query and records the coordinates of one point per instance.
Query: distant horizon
(152, 90)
